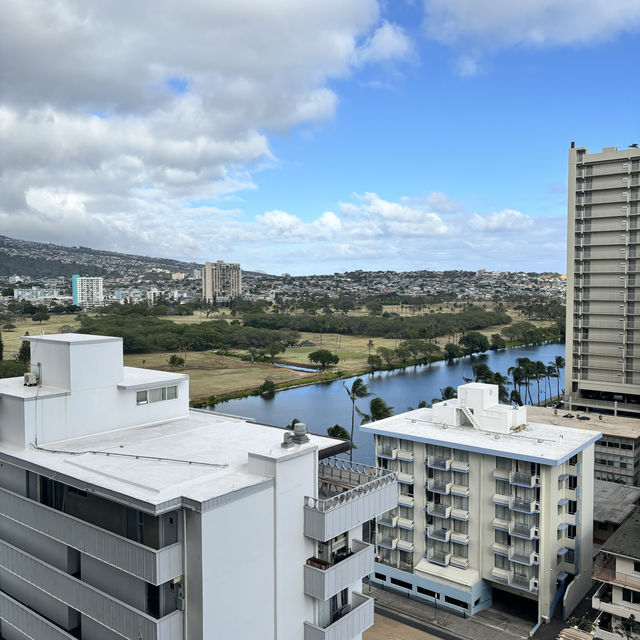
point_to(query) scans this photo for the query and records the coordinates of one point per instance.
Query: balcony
(458, 561)
(521, 556)
(524, 505)
(405, 500)
(387, 520)
(459, 514)
(501, 525)
(405, 454)
(405, 545)
(526, 583)
(438, 510)
(500, 574)
(438, 557)
(439, 486)
(388, 453)
(151, 565)
(501, 474)
(322, 580)
(405, 478)
(524, 479)
(501, 500)
(461, 466)
(602, 601)
(387, 541)
(441, 534)
(349, 622)
(500, 549)
(405, 523)
(604, 570)
(439, 462)
(28, 622)
(117, 616)
(521, 530)
(349, 495)
(459, 490)
(459, 538)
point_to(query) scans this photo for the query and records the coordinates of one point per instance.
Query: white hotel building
(126, 515)
(487, 500)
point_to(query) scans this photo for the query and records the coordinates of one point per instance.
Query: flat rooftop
(616, 426)
(626, 540)
(71, 338)
(613, 502)
(538, 442)
(193, 460)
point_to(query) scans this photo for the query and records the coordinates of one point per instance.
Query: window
(602, 526)
(401, 583)
(455, 602)
(427, 592)
(156, 395)
(570, 556)
(636, 566)
(631, 596)
(380, 576)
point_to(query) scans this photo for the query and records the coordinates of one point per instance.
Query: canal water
(323, 405)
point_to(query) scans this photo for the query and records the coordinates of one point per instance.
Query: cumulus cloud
(117, 121)
(496, 23)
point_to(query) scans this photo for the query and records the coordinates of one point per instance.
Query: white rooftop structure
(127, 515)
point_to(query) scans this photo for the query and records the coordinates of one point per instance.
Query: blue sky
(313, 137)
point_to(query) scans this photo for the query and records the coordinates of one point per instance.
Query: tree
(24, 354)
(378, 410)
(40, 316)
(357, 391)
(369, 347)
(559, 363)
(267, 388)
(275, 348)
(323, 357)
(386, 354)
(340, 433)
(375, 362)
(175, 361)
(539, 372)
(497, 341)
(452, 351)
(473, 342)
(448, 393)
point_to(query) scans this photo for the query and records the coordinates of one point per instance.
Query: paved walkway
(388, 629)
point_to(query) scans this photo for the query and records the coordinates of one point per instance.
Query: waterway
(322, 405)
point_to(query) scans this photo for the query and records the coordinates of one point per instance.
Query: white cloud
(496, 23)
(501, 221)
(388, 42)
(115, 120)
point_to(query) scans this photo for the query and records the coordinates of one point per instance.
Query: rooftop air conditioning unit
(30, 379)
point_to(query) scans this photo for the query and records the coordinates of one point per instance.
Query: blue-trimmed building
(486, 500)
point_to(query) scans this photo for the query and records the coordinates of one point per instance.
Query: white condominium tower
(487, 501)
(87, 291)
(127, 515)
(603, 280)
(221, 281)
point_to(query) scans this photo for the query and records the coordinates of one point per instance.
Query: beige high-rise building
(603, 280)
(221, 281)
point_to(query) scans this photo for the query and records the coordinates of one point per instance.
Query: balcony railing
(521, 530)
(387, 520)
(523, 504)
(439, 462)
(405, 478)
(387, 542)
(521, 556)
(438, 557)
(405, 454)
(442, 534)
(526, 583)
(405, 500)
(459, 490)
(351, 621)
(459, 537)
(439, 510)
(604, 570)
(322, 581)
(501, 474)
(405, 523)
(405, 545)
(461, 466)
(389, 453)
(119, 617)
(28, 622)
(459, 514)
(354, 494)
(439, 486)
(524, 479)
(151, 565)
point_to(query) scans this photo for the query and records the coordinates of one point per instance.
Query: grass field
(11, 338)
(215, 375)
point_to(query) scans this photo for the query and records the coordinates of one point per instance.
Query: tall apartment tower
(87, 291)
(126, 515)
(603, 280)
(221, 281)
(488, 502)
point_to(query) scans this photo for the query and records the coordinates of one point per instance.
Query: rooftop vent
(30, 379)
(300, 433)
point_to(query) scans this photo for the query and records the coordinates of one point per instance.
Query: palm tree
(514, 397)
(539, 372)
(448, 393)
(503, 383)
(358, 391)
(370, 345)
(559, 362)
(482, 373)
(528, 374)
(340, 433)
(378, 410)
(552, 372)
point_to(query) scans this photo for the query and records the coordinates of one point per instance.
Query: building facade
(87, 291)
(221, 281)
(617, 569)
(127, 515)
(35, 294)
(487, 500)
(603, 280)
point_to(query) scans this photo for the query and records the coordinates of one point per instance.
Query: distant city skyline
(310, 138)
